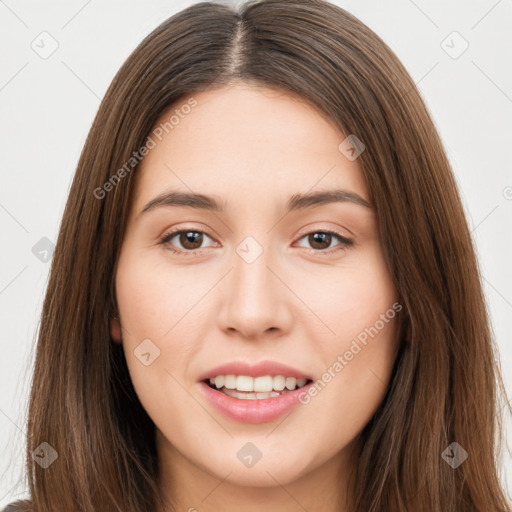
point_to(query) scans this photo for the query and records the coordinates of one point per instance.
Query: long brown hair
(445, 381)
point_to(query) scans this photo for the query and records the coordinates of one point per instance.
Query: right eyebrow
(191, 200)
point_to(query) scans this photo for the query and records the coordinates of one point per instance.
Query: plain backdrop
(459, 54)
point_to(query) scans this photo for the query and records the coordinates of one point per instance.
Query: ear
(115, 330)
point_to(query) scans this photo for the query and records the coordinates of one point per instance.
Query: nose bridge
(254, 302)
(252, 279)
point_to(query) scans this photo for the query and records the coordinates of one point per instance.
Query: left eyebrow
(301, 201)
(296, 201)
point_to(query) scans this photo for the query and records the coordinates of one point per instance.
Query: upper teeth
(264, 383)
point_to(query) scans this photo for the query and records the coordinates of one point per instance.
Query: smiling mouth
(255, 388)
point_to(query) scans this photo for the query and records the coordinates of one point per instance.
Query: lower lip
(253, 411)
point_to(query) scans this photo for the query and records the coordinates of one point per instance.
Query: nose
(256, 302)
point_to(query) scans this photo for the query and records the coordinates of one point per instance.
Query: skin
(252, 148)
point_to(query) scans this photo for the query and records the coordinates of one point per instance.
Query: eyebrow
(295, 202)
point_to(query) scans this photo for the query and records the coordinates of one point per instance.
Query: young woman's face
(272, 288)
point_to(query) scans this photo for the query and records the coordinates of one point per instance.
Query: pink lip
(262, 368)
(253, 411)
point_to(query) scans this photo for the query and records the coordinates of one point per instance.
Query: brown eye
(189, 240)
(320, 241)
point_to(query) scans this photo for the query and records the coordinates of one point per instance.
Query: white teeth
(291, 382)
(279, 382)
(244, 383)
(259, 385)
(230, 382)
(263, 383)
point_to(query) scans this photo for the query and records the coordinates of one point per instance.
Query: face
(266, 290)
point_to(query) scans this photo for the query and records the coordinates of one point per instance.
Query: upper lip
(272, 368)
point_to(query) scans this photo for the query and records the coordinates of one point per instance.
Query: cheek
(159, 324)
(156, 303)
(155, 297)
(351, 300)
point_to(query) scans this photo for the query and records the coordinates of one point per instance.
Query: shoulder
(17, 506)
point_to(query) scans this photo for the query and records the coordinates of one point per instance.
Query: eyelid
(315, 228)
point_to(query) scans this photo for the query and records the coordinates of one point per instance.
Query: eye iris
(321, 238)
(189, 239)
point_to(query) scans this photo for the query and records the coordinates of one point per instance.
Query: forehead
(255, 140)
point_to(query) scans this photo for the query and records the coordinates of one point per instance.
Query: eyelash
(344, 242)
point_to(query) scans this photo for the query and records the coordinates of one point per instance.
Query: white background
(47, 107)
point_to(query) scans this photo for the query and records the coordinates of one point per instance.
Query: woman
(264, 293)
